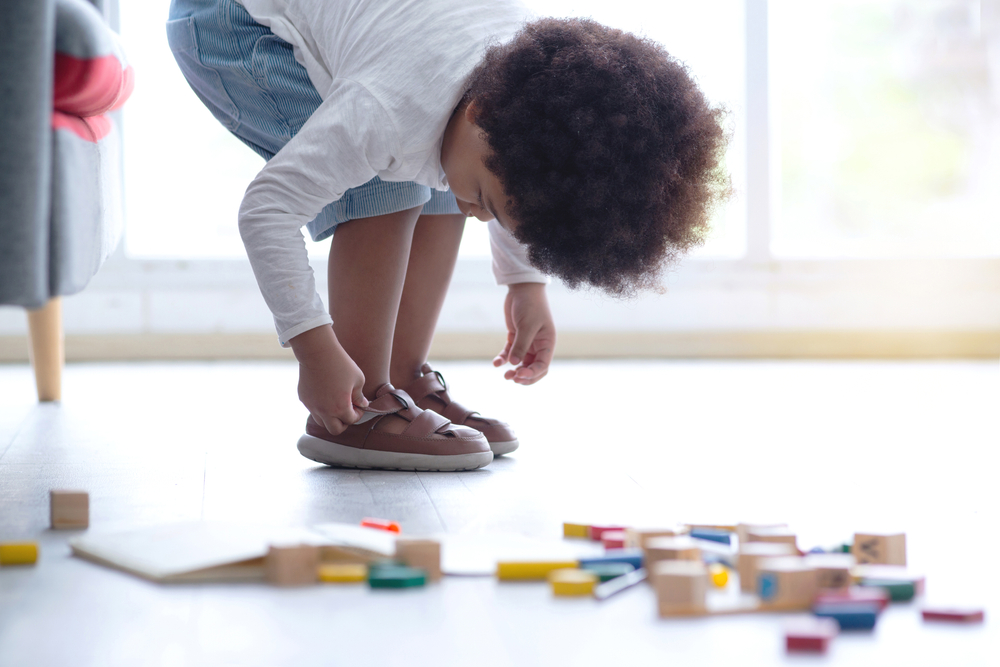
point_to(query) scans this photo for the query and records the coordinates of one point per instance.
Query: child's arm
(531, 333)
(330, 383)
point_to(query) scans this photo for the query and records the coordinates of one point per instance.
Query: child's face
(463, 153)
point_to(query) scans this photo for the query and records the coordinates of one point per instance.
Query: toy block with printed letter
(681, 587)
(810, 634)
(880, 548)
(636, 538)
(833, 571)
(423, 554)
(670, 548)
(786, 583)
(291, 565)
(751, 554)
(69, 510)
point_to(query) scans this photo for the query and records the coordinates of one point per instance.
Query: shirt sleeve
(510, 258)
(344, 144)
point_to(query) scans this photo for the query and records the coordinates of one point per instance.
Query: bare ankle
(405, 374)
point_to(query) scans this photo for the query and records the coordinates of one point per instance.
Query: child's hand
(330, 383)
(531, 333)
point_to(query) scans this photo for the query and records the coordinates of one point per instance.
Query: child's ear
(471, 111)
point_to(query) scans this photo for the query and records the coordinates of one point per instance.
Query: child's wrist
(314, 344)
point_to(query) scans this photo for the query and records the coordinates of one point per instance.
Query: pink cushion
(92, 86)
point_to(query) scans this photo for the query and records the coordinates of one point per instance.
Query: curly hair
(608, 152)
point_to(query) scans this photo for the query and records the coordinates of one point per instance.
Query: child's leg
(368, 265)
(433, 254)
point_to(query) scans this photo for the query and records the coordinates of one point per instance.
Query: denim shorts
(250, 81)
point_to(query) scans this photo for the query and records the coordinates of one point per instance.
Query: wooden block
(772, 535)
(531, 570)
(786, 583)
(680, 585)
(597, 531)
(613, 539)
(810, 634)
(615, 586)
(18, 553)
(742, 529)
(291, 565)
(633, 557)
(880, 548)
(572, 582)
(833, 571)
(876, 596)
(751, 554)
(607, 571)
(896, 573)
(953, 614)
(576, 530)
(635, 538)
(424, 554)
(69, 510)
(850, 616)
(396, 576)
(342, 573)
(670, 548)
(713, 535)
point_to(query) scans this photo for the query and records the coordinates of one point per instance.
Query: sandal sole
(341, 456)
(503, 448)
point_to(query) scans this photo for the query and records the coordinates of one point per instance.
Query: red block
(381, 524)
(596, 532)
(810, 634)
(854, 594)
(954, 615)
(613, 539)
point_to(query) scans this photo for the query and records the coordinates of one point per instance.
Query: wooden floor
(827, 447)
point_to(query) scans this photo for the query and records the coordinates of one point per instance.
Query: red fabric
(91, 129)
(92, 86)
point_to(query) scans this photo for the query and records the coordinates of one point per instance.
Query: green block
(899, 591)
(845, 548)
(395, 576)
(608, 571)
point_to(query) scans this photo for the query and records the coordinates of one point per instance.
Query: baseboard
(572, 344)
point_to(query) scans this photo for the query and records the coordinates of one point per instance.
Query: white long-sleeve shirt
(390, 73)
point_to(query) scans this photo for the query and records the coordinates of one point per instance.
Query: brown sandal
(430, 392)
(395, 434)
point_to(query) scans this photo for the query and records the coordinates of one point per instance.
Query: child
(590, 152)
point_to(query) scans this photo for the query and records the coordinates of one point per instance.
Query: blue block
(850, 616)
(631, 556)
(713, 534)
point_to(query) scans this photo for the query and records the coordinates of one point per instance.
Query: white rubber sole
(332, 454)
(501, 448)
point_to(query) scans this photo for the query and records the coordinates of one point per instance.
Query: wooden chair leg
(46, 349)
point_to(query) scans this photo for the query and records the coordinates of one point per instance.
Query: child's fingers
(358, 398)
(501, 358)
(523, 338)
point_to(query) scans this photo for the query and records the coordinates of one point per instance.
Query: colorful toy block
(596, 532)
(572, 582)
(896, 573)
(381, 524)
(613, 539)
(772, 535)
(876, 596)
(953, 614)
(576, 530)
(635, 538)
(850, 616)
(342, 573)
(633, 557)
(531, 570)
(899, 591)
(786, 583)
(18, 553)
(880, 548)
(810, 634)
(680, 585)
(607, 571)
(619, 584)
(396, 576)
(713, 535)
(670, 548)
(291, 565)
(423, 554)
(833, 571)
(718, 574)
(69, 510)
(750, 556)
(742, 529)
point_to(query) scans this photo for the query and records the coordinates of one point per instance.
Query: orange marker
(381, 524)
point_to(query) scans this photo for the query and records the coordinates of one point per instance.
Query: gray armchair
(62, 78)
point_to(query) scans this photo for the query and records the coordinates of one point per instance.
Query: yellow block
(576, 530)
(342, 573)
(18, 553)
(718, 574)
(572, 582)
(533, 570)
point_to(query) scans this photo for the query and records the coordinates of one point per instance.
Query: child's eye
(480, 197)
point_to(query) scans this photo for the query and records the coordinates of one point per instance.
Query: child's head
(608, 153)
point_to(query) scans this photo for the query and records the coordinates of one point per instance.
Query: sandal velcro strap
(431, 383)
(426, 424)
